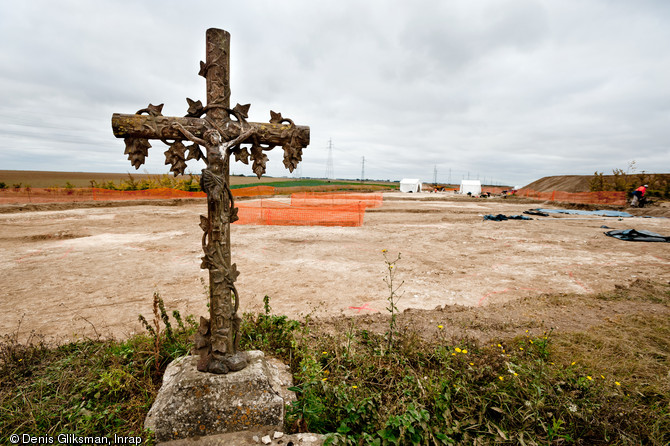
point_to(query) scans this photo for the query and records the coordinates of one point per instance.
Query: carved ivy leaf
(233, 215)
(155, 110)
(195, 108)
(152, 110)
(137, 150)
(203, 69)
(292, 156)
(174, 155)
(204, 223)
(275, 118)
(233, 273)
(194, 152)
(208, 260)
(259, 161)
(242, 110)
(242, 155)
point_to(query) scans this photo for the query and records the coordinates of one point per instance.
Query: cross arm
(138, 129)
(160, 127)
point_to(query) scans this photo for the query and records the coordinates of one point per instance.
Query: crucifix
(222, 132)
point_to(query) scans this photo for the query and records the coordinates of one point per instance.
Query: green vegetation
(316, 183)
(629, 180)
(189, 184)
(605, 386)
(87, 387)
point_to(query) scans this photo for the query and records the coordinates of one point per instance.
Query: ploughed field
(89, 271)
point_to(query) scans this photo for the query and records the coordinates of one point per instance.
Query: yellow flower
(500, 378)
(354, 387)
(324, 379)
(439, 326)
(589, 378)
(465, 351)
(531, 341)
(617, 383)
(526, 331)
(325, 353)
(472, 363)
(383, 250)
(389, 266)
(499, 345)
(602, 376)
(453, 354)
(516, 374)
(458, 350)
(573, 362)
(520, 348)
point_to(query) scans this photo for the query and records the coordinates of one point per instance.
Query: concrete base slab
(194, 404)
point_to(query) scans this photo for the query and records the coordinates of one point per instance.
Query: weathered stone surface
(248, 438)
(196, 404)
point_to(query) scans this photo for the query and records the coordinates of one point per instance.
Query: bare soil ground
(85, 271)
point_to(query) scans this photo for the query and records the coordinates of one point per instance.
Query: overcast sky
(504, 91)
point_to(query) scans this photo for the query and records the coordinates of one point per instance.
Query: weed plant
(88, 387)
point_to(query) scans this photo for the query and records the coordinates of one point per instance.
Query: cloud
(512, 91)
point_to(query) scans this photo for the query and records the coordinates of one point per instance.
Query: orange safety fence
(147, 194)
(271, 212)
(605, 197)
(333, 199)
(253, 191)
(68, 195)
(44, 195)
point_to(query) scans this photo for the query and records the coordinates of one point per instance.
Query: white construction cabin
(472, 186)
(410, 185)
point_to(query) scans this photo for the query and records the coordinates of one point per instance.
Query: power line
(329, 164)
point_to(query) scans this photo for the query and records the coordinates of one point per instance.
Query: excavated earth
(90, 271)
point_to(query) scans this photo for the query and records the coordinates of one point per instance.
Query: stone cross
(222, 132)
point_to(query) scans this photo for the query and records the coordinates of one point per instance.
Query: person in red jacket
(638, 196)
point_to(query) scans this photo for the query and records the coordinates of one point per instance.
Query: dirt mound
(565, 183)
(574, 183)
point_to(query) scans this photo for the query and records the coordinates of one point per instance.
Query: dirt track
(68, 271)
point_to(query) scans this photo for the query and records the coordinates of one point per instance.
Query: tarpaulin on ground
(501, 217)
(602, 213)
(631, 235)
(536, 212)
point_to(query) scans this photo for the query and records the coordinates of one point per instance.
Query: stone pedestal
(196, 404)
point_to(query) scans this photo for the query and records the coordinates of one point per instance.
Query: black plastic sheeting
(536, 212)
(631, 235)
(501, 217)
